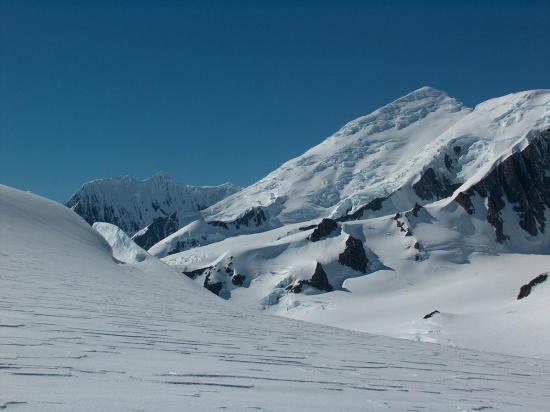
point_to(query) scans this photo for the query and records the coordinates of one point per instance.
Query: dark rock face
(156, 231)
(432, 187)
(214, 287)
(354, 255)
(197, 272)
(323, 229)
(525, 290)
(319, 281)
(95, 212)
(448, 162)
(415, 210)
(374, 205)
(429, 315)
(464, 200)
(523, 181)
(181, 246)
(238, 280)
(252, 218)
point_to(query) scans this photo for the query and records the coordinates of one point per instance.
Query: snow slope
(124, 249)
(417, 149)
(368, 158)
(134, 204)
(82, 331)
(434, 258)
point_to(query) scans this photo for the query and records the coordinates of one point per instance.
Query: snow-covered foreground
(80, 331)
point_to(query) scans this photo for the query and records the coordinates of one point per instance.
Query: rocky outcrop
(323, 229)
(254, 217)
(373, 206)
(429, 315)
(238, 279)
(319, 281)
(354, 255)
(414, 211)
(430, 186)
(214, 287)
(156, 231)
(192, 274)
(525, 290)
(522, 181)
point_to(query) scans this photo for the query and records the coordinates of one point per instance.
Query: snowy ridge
(417, 150)
(374, 156)
(134, 204)
(368, 158)
(123, 248)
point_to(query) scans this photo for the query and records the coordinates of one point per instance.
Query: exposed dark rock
(448, 162)
(319, 281)
(214, 287)
(218, 223)
(408, 232)
(304, 228)
(323, 229)
(373, 205)
(432, 187)
(197, 272)
(397, 216)
(156, 231)
(522, 180)
(416, 245)
(429, 315)
(252, 218)
(464, 200)
(525, 290)
(354, 255)
(415, 210)
(457, 150)
(183, 245)
(238, 279)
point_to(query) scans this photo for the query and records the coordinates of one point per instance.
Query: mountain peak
(426, 92)
(161, 175)
(403, 111)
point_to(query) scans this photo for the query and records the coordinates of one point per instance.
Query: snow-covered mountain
(415, 150)
(82, 331)
(420, 196)
(150, 209)
(466, 219)
(384, 274)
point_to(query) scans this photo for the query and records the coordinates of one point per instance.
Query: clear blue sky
(227, 91)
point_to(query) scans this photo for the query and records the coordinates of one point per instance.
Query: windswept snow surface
(81, 332)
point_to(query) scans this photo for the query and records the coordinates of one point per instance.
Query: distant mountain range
(150, 209)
